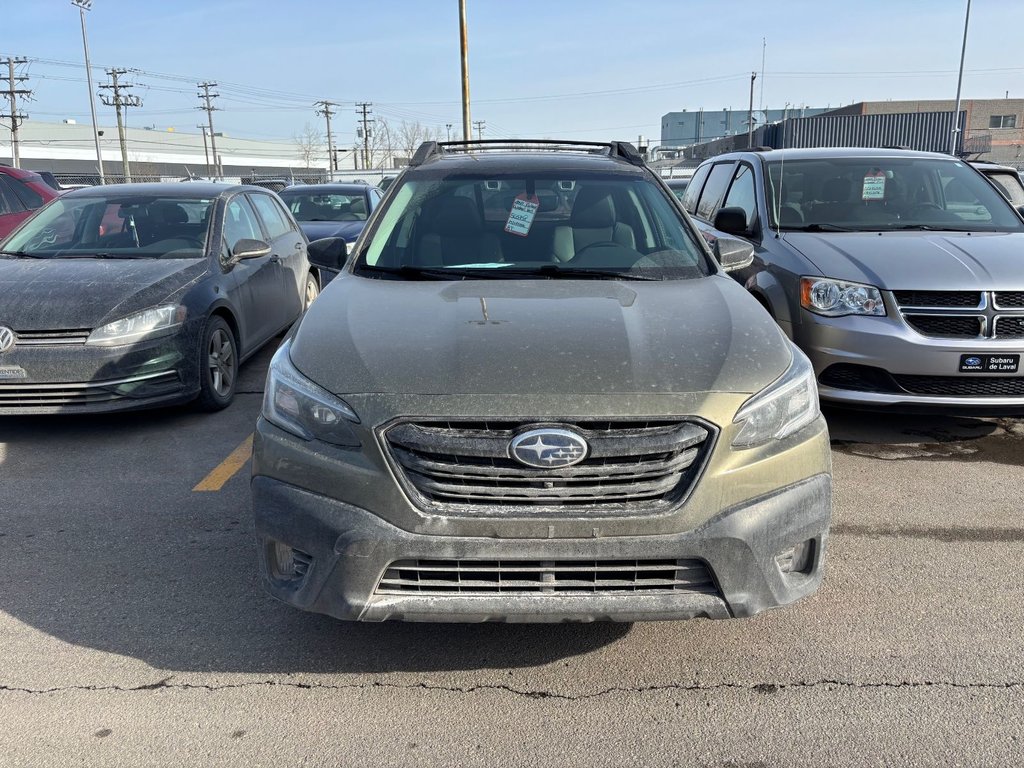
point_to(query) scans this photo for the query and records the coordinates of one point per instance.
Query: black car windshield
(116, 226)
(326, 206)
(885, 193)
(547, 226)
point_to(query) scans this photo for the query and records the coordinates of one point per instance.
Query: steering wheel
(594, 246)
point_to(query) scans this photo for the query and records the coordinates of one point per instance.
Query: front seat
(456, 235)
(592, 221)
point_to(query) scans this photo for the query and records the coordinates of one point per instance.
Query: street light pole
(959, 83)
(83, 6)
(464, 46)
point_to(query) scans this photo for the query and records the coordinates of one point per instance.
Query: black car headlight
(297, 405)
(148, 324)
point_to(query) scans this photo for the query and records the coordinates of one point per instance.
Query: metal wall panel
(925, 131)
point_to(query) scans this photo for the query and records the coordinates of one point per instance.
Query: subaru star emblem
(548, 448)
(6, 338)
(972, 361)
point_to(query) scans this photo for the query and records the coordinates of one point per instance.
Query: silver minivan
(899, 273)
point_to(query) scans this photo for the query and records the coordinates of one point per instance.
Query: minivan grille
(963, 386)
(963, 314)
(555, 577)
(631, 468)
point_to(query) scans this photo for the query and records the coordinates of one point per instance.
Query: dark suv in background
(899, 273)
(21, 194)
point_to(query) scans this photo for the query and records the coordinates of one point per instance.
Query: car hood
(917, 260)
(317, 230)
(538, 337)
(54, 294)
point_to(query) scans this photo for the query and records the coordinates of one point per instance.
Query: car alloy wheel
(218, 366)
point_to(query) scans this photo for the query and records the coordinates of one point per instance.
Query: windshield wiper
(411, 272)
(22, 255)
(105, 256)
(555, 270)
(818, 228)
(930, 228)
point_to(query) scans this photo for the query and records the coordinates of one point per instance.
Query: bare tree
(310, 144)
(411, 135)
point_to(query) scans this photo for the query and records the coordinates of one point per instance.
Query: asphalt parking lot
(133, 631)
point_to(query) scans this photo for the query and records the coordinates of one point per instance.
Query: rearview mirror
(249, 249)
(328, 253)
(733, 253)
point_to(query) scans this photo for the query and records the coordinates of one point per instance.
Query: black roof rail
(431, 150)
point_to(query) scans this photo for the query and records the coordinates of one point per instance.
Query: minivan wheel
(312, 290)
(218, 366)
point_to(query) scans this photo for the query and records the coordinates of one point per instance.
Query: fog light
(797, 559)
(287, 562)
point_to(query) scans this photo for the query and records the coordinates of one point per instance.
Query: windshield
(116, 226)
(534, 226)
(326, 206)
(883, 193)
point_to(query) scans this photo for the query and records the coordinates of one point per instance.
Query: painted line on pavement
(227, 468)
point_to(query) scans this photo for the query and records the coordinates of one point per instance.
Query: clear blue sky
(588, 69)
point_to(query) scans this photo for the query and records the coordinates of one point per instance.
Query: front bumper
(88, 379)
(345, 551)
(889, 344)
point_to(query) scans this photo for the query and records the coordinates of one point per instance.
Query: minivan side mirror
(328, 253)
(733, 253)
(249, 249)
(1020, 210)
(732, 220)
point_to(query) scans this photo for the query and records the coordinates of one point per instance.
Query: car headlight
(836, 298)
(783, 407)
(151, 323)
(297, 405)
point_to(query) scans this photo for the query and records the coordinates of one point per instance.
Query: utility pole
(325, 110)
(959, 83)
(209, 109)
(464, 48)
(16, 118)
(364, 107)
(750, 112)
(121, 101)
(448, 128)
(479, 125)
(83, 6)
(206, 151)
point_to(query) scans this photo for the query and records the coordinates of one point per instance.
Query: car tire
(311, 291)
(218, 366)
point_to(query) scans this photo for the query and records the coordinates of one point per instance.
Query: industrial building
(681, 129)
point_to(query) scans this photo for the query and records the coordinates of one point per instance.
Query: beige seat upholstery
(593, 220)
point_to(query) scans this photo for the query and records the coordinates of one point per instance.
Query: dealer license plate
(12, 372)
(989, 363)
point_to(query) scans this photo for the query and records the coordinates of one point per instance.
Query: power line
(12, 93)
(121, 100)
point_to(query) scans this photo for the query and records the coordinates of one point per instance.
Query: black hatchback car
(129, 296)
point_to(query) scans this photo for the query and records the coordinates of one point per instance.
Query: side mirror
(731, 220)
(328, 253)
(733, 254)
(1020, 210)
(249, 249)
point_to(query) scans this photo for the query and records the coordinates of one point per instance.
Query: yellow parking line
(227, 468)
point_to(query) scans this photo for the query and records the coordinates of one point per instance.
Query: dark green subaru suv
(533, 394)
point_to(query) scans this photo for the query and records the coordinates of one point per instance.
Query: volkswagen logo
(548, 448)
(6, 338)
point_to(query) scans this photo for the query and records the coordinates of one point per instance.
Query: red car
(21, 193)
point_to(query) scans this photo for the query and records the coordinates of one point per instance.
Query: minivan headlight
(151, 323)
(783, 407)
(836, 298)
(297, 405)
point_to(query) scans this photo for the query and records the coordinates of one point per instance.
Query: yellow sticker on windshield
(874, 186)
(520, 218)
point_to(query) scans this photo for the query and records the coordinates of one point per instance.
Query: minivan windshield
(885, 193)
(527, 225)
(115, 226)
(325, 206)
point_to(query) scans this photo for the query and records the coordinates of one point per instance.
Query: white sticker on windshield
(520, 218)
(874, 186)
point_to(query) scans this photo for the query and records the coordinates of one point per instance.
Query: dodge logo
(548, 448)
(6, 338)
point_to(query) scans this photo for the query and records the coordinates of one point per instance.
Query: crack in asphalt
(761, 688)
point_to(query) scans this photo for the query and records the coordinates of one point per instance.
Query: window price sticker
(874, 186)
(520, 218)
